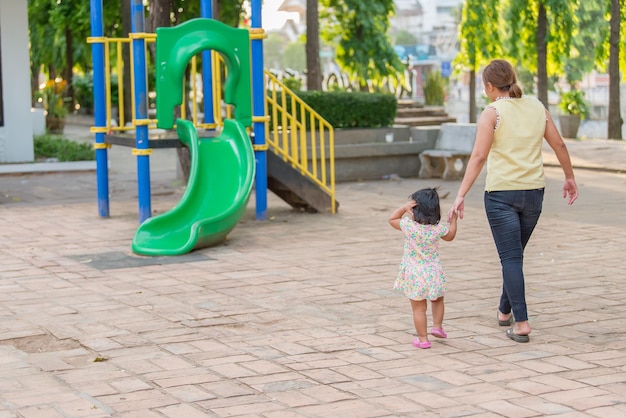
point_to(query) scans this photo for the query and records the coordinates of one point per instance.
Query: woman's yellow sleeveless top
(515, 161)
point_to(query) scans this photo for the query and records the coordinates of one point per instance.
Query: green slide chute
(217, 194)
(222, 168)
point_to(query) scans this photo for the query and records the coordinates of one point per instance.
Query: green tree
(539, 34)
(479, 42)
(359, 30)
(42, 51)
(58, 31)
(404, 37)
(586, 41)
(610, 54)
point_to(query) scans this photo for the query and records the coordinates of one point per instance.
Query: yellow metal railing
(295, 132)
(299, 135)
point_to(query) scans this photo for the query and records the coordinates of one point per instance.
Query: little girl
(420, 276)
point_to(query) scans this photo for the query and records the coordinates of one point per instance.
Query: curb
(51, 167)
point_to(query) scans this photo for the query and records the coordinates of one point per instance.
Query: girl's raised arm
(394, 219)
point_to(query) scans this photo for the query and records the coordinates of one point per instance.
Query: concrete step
(298, 191)
(408, 103)
(424, 121)
(421, 111)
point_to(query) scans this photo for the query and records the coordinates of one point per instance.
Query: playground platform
(296, 316)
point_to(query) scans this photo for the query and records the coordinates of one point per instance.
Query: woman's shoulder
(526, 102)
(531, 99)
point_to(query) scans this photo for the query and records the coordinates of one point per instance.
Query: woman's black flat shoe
(506, 322)
(518, 338)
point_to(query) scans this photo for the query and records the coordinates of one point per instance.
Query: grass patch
(62, 149)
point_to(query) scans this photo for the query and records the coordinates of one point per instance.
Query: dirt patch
(44, 343)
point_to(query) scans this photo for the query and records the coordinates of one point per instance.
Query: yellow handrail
(298, 134)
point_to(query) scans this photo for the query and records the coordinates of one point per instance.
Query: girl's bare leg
(419, 318)
(438, 310)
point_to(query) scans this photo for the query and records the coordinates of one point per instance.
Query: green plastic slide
(221, 179)
(222, 168)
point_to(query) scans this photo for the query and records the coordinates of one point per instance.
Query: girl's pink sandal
(439, 333)
(418, 344)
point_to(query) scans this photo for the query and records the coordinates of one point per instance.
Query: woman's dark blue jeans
(512, 217)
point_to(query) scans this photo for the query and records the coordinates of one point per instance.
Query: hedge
(349, 109)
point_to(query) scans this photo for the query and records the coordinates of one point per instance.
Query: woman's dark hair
(500, 74)
(427, 210)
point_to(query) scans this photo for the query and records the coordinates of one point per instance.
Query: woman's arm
(553, 137)
(396, 215)
(482, 145)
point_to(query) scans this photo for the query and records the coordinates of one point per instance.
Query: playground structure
(298, 143)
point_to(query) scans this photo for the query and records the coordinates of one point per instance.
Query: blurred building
(434, 23)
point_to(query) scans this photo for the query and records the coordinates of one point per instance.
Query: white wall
(16, 136)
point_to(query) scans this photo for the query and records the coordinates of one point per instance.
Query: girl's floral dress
(420, 275)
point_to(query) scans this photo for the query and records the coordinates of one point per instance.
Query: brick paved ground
(295, 316)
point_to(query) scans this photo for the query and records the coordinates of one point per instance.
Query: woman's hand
(457, 208)
(570, 190)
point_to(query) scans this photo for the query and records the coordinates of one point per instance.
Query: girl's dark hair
(427, 210)
(500, 74)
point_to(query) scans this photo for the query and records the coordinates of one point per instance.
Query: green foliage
(53, 97)
(404, 37)
(359, 30)
(53, 146)
(293, 83)
(294, 57)
(603, 51)
(573, 103)
(52, 22)
(479, 37)
(349, 109)
(435, 88)
(586, 42)
(526, 79)
(83, 91)
(521, 41)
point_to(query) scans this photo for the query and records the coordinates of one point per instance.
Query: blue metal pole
(258, 110)
(142, 144)
(99, 102)
(206, 11)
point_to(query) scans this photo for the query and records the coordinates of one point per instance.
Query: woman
(509, 138)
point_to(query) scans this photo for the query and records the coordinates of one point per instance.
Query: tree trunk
(217, 9)
(159, 15)
(69, 62)
(34, 83)
(472, 96)
(542, 53)
(313, 67)
(615, 116)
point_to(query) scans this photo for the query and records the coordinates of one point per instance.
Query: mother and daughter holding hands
(509, 137)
